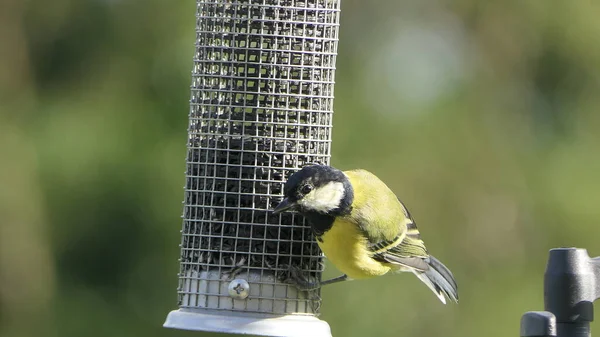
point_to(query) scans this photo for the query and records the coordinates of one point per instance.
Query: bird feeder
(261, 108)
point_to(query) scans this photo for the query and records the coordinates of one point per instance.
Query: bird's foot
(300, 280)
(232, 273)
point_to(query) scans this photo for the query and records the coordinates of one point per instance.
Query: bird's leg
(304, 285)
(334, 280)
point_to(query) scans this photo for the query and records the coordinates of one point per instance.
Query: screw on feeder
(239, 289)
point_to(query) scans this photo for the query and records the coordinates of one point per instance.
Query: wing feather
(407, 249)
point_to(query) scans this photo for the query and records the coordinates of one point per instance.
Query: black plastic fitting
(571, 285)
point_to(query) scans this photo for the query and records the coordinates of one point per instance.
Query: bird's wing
(391, 234)
(407, 249)
(408, 253)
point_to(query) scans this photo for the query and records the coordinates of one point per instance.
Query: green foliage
(498, 164)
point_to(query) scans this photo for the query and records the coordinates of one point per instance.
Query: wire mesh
(261, 108)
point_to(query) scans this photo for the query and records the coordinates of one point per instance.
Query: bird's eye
(306, 189)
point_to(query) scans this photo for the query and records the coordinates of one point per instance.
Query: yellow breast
(346, 248)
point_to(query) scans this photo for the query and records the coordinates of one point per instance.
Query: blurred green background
(482, 115)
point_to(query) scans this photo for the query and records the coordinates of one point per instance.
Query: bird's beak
(284, 205)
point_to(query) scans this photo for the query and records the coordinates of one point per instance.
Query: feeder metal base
(247, 323)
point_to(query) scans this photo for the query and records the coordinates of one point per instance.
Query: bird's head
(317, 188)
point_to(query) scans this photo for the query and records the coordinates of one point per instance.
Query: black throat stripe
(319, 222)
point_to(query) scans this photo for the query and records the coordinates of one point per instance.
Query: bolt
(239, 289)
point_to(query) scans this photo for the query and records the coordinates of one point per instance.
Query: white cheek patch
(324, 198)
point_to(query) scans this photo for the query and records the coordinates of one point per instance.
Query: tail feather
(439, 279)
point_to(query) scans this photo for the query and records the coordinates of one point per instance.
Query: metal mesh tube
(261, 108)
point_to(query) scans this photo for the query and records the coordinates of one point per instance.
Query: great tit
(362, 228)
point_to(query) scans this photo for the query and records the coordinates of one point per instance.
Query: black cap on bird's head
(317, 188)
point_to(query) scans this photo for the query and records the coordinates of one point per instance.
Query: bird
(362, 227)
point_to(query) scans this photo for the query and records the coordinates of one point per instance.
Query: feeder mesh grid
(261, 108)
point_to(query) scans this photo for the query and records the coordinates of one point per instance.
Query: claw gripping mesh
(261, 108)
